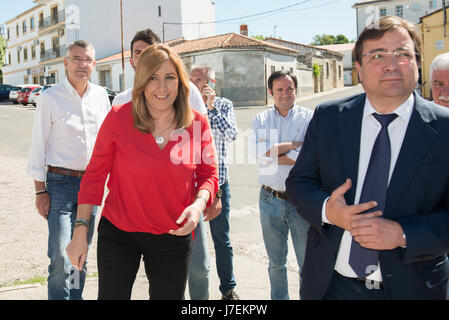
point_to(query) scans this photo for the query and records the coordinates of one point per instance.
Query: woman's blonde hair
(149, 62)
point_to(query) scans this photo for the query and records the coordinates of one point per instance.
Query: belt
(367, 283)
(65, 172)
(370, 284)
(277, 194)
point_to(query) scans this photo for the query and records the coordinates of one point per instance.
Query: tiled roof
(339, 47)
(303, 45)
(116, 56)
(228, 40)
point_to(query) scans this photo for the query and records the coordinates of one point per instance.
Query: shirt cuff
(292, 154)
(323, 212)
(265, 161)
(38, 175)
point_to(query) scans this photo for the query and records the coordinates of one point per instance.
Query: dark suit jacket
(417, 197)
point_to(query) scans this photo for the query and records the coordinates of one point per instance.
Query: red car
(23, 95)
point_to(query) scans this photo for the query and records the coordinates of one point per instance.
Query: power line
(269, 12)
(294, 10)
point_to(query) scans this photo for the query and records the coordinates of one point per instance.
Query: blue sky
(299, 23)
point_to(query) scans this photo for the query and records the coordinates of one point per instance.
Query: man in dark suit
(373, 181)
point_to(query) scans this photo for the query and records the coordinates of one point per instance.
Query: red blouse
(148, 187)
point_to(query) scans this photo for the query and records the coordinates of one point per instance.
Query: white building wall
(412, 10)
(16, 73)
(201, 19)
(305, 82)
(99, 21)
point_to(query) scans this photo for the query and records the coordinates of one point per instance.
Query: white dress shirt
(195, 98)
(269, 128)
(370, 129)
(65, 128)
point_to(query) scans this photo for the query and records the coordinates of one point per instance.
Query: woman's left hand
(192, 215)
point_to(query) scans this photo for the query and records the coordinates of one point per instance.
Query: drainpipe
(444, 17)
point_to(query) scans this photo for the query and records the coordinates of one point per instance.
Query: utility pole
(123, 49)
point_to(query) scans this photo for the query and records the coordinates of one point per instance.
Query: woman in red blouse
(160, 158)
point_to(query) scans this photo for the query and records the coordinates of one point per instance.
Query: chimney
(244, 29)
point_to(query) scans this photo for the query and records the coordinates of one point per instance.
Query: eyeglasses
(78, 60)
(380, 57)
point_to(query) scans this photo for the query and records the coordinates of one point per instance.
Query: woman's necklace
(159, 137)
(160, 140)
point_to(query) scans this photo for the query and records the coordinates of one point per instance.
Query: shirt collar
(404, 111)
(290, 112)
(71, 89)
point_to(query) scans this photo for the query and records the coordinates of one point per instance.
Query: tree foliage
(259, 37)
(326, 39)
(2, 56)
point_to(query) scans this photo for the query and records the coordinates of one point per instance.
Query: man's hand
(280, 149)
(342, 215)
(209, 95)
(377, 233)
(43, 204)
(213, 211)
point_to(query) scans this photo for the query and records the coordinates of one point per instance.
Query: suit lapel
(417, 141)
(350, 124)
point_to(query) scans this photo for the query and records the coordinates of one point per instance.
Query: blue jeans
(278, 217)
(64, 281)
(200, 265)
(219, 228)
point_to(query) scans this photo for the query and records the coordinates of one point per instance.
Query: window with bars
(399, 11)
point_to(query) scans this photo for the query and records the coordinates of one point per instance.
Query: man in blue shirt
(276, 138)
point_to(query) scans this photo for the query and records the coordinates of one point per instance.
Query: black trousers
(343, 288)
(166, 259)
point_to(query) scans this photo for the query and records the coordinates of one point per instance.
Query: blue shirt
(269, 128)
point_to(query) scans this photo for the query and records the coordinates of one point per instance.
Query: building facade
(329, 63)
(350, 76)
(242, 65)
(36, 44)
(369, 11)
(37, 38)
(435, 35)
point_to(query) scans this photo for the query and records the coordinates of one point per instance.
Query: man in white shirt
(276, 138)
(142, 40)
(68, 117)
(373, 180)
(439, 79)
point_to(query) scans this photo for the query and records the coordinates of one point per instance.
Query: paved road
(23, 233)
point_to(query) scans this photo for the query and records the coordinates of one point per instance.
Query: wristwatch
(219, 194)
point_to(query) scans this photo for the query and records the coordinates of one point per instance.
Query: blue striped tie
(364, 261)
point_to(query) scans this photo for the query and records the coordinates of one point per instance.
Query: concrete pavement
(250, 261)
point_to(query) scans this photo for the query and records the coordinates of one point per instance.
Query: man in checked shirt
(220, 112)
